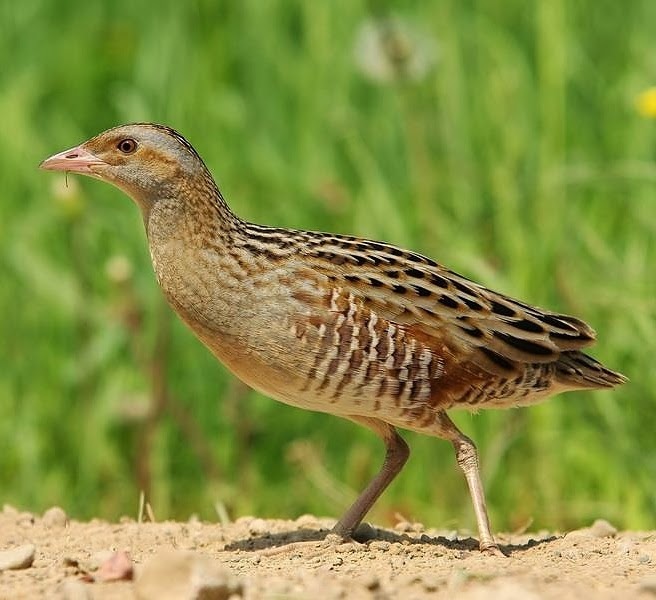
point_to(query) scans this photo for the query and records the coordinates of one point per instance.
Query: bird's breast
(209, 290)
(236, 307)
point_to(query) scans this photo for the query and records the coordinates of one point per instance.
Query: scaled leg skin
(396, 455)
(467, 457)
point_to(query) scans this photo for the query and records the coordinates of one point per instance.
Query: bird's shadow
(279, 540)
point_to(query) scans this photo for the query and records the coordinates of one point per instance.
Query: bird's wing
(444, 309)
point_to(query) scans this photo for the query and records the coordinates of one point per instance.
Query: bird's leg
(467, 457)
(396, 455)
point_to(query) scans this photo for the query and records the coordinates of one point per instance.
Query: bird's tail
(577, 370)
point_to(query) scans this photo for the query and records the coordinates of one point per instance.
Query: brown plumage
(357, 328)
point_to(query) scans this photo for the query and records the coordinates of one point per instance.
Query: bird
(357, 328)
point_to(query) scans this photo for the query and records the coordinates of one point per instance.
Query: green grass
(518, 160)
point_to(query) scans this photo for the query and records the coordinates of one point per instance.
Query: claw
(492, 549)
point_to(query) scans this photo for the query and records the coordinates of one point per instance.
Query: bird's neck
(192, 241)
(195, 216)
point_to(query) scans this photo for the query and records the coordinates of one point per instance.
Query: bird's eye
(127, 146)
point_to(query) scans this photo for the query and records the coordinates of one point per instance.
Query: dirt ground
(254, 558)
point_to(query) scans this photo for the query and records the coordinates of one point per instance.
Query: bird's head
(147, 161)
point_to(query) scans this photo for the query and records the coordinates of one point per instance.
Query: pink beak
(75, 160)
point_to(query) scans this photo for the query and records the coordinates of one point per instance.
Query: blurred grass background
(501, 138)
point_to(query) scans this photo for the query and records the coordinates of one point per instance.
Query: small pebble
(625, 547)
(184, 575)
(72, 589)
(602, 528)
(25, 519)
(379, 546)
(20, 557)
(258, 527)
(116, 568)
(309, 521)
(55, 517)
(648, 585)
(599, 529)
(96, 559)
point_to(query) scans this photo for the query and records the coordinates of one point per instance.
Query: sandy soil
(254, 558)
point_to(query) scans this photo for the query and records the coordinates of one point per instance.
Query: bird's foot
(364, 532)
(333, 540)
(492, 549)
(292, 548)
(330, 542)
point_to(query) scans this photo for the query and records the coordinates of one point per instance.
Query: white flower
(390, 49)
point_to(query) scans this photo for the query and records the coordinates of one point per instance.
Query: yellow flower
(646, 103)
